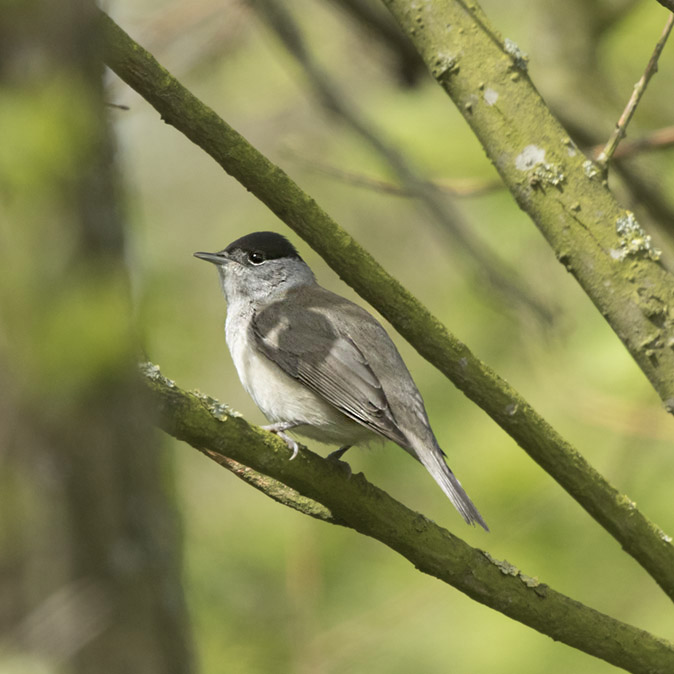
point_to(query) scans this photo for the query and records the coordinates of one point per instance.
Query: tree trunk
(89, 539)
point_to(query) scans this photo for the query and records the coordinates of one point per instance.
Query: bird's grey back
(301, 335)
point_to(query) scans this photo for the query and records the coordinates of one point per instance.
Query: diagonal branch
(379, 25)
(177, 106)
(276, 490)
(318, 488)
(639, 90)
(660, 139)
(503, 280)
(597, 241)
(459, 188)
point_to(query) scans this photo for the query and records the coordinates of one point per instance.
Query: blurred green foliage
(271, 591)
(51, 130)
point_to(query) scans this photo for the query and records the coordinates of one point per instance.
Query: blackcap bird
(320, 365)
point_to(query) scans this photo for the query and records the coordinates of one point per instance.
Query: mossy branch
(566, 194)
(319, 488)
(180, 108)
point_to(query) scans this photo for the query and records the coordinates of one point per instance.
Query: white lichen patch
(444, 63)
(529, 581)
(503, 565)
(551, 174)
(490, 96)
(219, 410)
(152, 372)
(633, 240)
(508, 569)
(520, 59)
(529, 157)
(590, 168)
(532, 160)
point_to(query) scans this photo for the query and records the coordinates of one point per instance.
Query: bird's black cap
(270, 244)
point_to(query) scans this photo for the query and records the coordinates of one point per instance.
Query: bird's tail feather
(434, 463)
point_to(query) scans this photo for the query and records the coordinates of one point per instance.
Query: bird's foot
(336, 457)
(279, 429)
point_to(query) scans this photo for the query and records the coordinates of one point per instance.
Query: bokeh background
(269, 590)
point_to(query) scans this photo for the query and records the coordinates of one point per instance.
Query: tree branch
(456, 187)
(276, 490)
(503, 280)
(660, 139)
(639, 89)
(177, 106)
(378, 24)
(317, 487)
(599, 242)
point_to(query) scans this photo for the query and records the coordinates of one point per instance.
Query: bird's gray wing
(306, 346)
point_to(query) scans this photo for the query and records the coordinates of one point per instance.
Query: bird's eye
(256, 257)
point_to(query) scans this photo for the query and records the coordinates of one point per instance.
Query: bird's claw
(278, 429)
(292, 445)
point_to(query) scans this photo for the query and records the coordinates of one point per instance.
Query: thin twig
(649, 194)
(502, 279)
(460, 188)
(275, 489)
(639, 89)
(657, 140)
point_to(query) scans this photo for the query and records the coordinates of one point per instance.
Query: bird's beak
(215, 258)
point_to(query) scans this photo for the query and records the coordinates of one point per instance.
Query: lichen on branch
(318, 488)
(637, 535)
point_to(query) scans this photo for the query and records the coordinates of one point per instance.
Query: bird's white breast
(279, 396)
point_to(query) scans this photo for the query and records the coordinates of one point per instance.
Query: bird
(319, 365)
